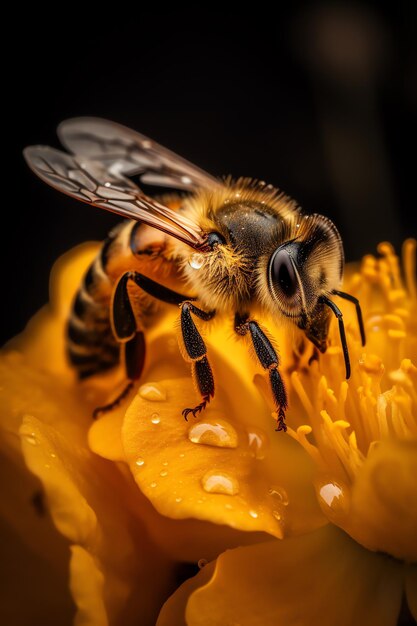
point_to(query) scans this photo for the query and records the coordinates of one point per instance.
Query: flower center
(362, 433)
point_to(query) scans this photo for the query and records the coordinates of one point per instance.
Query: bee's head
(305, 268)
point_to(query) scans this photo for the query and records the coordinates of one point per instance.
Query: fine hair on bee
(227, 248)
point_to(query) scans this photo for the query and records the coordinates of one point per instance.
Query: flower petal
(173, 611)
(93, 506)
(216, 468)
(381, 512)
(43, 338)
(86, 583)
(322, 579)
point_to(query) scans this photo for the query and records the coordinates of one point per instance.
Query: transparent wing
(125, 151)
(93, 183)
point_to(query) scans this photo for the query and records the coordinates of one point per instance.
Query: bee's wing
(123, 150)
(93, 183)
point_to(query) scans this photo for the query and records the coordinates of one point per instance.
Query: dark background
(320, 102)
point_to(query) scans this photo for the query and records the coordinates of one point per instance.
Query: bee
(234, 246)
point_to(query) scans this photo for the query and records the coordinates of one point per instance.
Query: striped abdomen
(91, 345)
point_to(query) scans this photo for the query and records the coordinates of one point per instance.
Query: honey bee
(235, 246)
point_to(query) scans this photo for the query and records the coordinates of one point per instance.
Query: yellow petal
(217, 468)
(381, 511)
(319, 579)
(86, 582)
(44, 336)
(173, 611)
(47, 456)
(90, 501)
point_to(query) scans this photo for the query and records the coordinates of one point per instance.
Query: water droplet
(139, 462)
(165, 463)
(182, 455)
(196, 261)
(53, 455)
(202, 563)
(334, 496)
(178, 500)
(155, 419)
(107, 184)
(280, 494)
(228, 506)
(186, 180)
(47, 466)
(277, 515)
(30, 438)
(153, 485)
(213, 432)
(220, 482)
(257, 443)
(253, 514)
(163, 473)
(152, 392)
(237, 195)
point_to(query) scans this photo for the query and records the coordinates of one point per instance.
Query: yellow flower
(362, 436)
(165, 491)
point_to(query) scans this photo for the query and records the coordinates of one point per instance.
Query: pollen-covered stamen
(361, 433)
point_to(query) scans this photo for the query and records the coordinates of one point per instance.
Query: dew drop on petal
(333, 496)
(165, 463)
(178, 500)
(152, 392)
(213, 432)
(139, 462)
(155, 419)
(277, 515)
(30, 438)
(253, 514)
(220, 482)
(196, 261)
(257, 441)
(153, 485)
(163, 473)
(280, 494)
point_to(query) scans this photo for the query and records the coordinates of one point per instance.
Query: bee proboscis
(234, 246)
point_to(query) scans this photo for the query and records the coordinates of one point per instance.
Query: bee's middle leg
(269, 360)
(197, 353)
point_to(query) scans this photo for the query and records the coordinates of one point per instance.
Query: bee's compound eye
(282, 273)
(214, 239)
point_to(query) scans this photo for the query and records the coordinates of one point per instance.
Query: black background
(320, 102)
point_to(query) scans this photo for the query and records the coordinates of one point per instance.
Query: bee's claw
(281, 425)
(197, 409)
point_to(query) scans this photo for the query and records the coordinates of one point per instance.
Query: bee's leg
(355, 301)
(269, 360)
(134, 358)
(123, 318)
(125, 329)
(197, 353)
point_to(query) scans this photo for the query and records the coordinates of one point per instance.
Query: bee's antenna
(347, 296)
(338, 313)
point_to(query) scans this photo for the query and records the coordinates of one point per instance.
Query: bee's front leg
(269, 360)
(196, 352)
